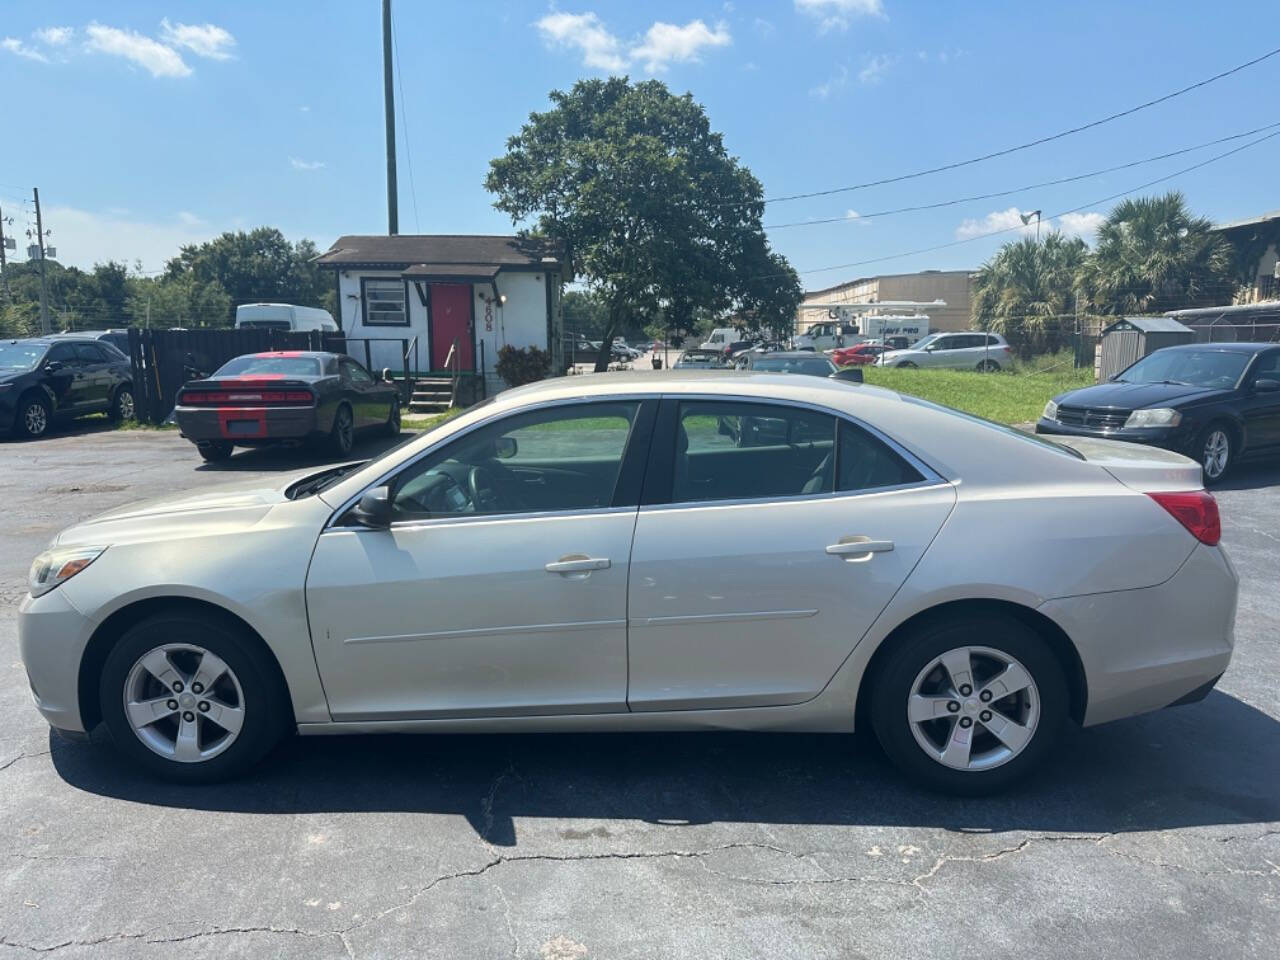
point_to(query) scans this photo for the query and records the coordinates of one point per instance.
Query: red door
(451, 317)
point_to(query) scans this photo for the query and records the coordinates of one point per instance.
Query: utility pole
(4, 277)
(388, 97)
(44, 289)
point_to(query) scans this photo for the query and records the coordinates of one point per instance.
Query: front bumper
(239, 424)
(1151, 648)
(1177, 439)
(52, 636)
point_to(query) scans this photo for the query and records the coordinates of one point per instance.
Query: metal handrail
(453, 361)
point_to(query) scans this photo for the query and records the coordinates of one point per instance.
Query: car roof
(1233, 347)
(311, 354)
(798, 354)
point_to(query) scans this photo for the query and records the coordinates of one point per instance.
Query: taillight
(1196, 510)
(215, 398)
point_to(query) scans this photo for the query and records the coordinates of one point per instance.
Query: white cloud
(837, 81)
(837, 14)
(876, 68)
(763, 27)
(151, 55)
(17, 47)
(306, 164)
(204, 40)
(585, 32)
(55, 36)
(666, 43)
(855, 215)
(1083, 225)
(86, 237)
(304, 109)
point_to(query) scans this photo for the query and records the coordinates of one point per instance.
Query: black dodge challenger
(287, 396)
(1215, 402)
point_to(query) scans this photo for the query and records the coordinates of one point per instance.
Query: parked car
(118, 338)
(286, 396)
(858, 355)
(954, 351)
(1215, 402)
(54, 379)
(699, 358)
(594, 554)
(827, 335)
(793, 361)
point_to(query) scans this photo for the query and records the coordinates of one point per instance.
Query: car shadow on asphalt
(284, 458)
(1252, 476)
(1212, 763)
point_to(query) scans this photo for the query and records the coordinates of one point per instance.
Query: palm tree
(1153, 255)
(1026, 291)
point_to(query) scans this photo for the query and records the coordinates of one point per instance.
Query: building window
(385, 303)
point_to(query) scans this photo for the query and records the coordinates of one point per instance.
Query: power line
(1030, 186)
(1091, 203)
(1031, 143)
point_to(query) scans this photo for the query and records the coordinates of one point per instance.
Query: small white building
(428, 294)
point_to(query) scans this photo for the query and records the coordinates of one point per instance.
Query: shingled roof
(407, 250)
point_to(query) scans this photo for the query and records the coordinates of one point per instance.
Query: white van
(826, 335)
(720, 338)
(283, 316)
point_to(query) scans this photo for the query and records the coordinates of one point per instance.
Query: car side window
(88, 353)
(553, 459)
(944, 343)
(1268, 367)
(730, 450)
(865, 462)
(63, 353)
(355, 373)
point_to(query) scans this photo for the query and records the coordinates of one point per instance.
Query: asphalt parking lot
(1158, 836)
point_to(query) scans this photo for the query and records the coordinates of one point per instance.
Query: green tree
(1152, 255)
(655, 214)
(584, 314)
(1027, 292)
(181, 301)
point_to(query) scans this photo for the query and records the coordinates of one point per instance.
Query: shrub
(518, 365)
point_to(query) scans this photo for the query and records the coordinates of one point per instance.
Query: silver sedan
(650, 552)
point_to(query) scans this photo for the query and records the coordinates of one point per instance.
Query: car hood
(225, 507)
(1131, 396)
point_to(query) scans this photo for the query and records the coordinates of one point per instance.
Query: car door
(481, 599)
(1260, 408)
(64, 375)
(98, 378)
(757, 567)
(365, 393)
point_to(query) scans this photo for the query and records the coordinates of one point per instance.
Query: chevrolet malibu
(600, 553)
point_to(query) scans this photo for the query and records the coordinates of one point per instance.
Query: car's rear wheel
(1217, 451)
(33, 417)
(905, 363)
(215, 450)
(191, 699)
(342, 436)
(393, 418)
(122, 405)
(988, 366)
(968, 706)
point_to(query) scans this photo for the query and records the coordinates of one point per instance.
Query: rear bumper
(1177, 439)
(246, 423)
(1147, 649)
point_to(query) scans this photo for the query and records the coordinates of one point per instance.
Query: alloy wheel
(973, 708)
(184, 703)
(124, 404)
(1217, 452)
(36, 419)
(344, 430)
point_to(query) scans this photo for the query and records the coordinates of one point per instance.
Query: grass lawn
(1004, 397)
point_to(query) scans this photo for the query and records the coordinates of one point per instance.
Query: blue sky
(146, 125)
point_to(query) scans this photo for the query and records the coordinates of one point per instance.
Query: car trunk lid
(1139, 467)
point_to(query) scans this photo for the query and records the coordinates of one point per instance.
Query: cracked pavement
(1158, 836)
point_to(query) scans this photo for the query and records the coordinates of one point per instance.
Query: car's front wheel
(1217, 450)
(967, 706)
(191, 698)
(33, 417)
(988, 366)
(904, 364)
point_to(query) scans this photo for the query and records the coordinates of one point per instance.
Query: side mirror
(504, 448)
(848, 375)
(53, 366)
(374, 509)
(385, 375)
(1266, 385)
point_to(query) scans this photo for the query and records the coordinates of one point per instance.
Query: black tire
(905, 364)
(342, 435)
(392, 429)
(892, 684)
(1209, 469)
(265, 708)
(122, 405)
(988, 366)
(34, 416)
(215, 450)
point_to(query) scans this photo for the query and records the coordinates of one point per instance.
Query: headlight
(58, 565)
(1155, 417)
(1050, 411)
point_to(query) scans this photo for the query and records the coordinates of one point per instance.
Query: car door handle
(859, 548)
(578, 563)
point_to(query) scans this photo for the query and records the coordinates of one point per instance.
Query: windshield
(270, 364)
(814, 366)
(19, 355)
(1220, 369)
(924, 341)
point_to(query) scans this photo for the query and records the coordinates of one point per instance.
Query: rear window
(1035, 438)
(265, 324)
(281, 366)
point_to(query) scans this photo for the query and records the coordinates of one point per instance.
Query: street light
(1026, 218)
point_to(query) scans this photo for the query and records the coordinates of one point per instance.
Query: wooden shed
(1130, 339)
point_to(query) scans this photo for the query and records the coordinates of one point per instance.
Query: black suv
(47, 379)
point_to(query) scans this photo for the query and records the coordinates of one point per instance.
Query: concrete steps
(430, 395)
